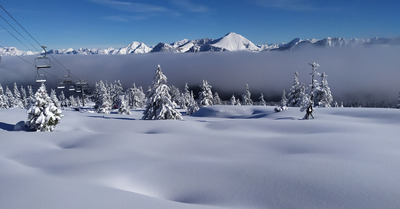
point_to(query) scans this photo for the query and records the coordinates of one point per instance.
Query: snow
(220, 157)
(235, 42)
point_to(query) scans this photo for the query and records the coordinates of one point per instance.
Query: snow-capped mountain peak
(235, 42)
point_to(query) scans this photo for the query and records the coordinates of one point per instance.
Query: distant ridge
(230, 42)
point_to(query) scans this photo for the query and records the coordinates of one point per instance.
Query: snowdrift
(221, 157)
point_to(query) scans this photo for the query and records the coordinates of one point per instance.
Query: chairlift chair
(61, 85)
(40, 78)
(71, 88)
(42, 61)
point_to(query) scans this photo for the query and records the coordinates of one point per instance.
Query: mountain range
(230, 42)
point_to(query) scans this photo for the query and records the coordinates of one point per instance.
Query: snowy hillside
(222, 157)
(229, 42)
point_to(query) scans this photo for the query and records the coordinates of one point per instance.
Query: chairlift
(61, 85)
(71, 88)
(78, 90)
(40, 78)
(42, 61)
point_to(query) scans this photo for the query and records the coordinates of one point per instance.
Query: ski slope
(221, 157)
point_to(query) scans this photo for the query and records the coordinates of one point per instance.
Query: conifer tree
(246, 97)
(61, 99)
(262, 100)
(124, 107)
(24, 97)
(205, 95)
(296, 93)
(175, 95)
(159, 105)
(192, 106)
(3, 99)
(326, 97)
(238, 102)
(17, 97)
(283, 103)
(232, 101)
(217, 100)
(116, 92)
(185, 97)
(10, 97)
(53, 97)
(43, 115)
(103, 104)
(308, 100)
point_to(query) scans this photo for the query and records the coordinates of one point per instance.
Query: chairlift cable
(18, 33)
(20, 25)
(15, 37)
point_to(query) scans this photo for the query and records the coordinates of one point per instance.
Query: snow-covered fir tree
(238, 102)
(296, 93)
(116, 91)
(124, 107)
(262, 100)
(325, 97)
(159, 105)
(78, 101)
(53, 97)
(192, 106)
(217, 100)
(307, 103)
(17, 96)
(283, 103)
(43, 115)
(72, 101)
(103, 103)
(232, 101)
(185, 97)
(175, 95)
(30, 96)
(24, 97)
(61, 99)
(246, 97)
(11, 100)
(136, 97)
(205, 95)
(3, 99)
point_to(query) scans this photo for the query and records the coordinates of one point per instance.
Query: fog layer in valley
(363, 75)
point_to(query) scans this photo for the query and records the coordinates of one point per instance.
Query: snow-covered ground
(222, 157)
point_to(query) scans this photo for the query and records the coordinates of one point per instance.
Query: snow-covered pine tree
(116, 91)
(61, 99)
(326, 97)
(30, 96)
(17, 97)
(124, 107)
(3, 99)
(159, 105)
(43, 115)
(53, 97)
(232, 101)
(246, 97)
(11, 100)
(135, 97)
(78, 101)
(238, 102)
(398, 102)
(175, 95)
(103, 104)
(185, 97)
(296, 93)
(217, 100)
(262, 100)
(192, 106)
(72, 101)
(205, 95)
(283, 103)
(307, 103)
(24, 97)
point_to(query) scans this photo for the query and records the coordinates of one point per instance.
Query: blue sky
(105, 23)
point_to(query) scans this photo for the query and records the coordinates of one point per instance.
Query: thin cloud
(190, 6)
(294, 5)
(139, 10)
